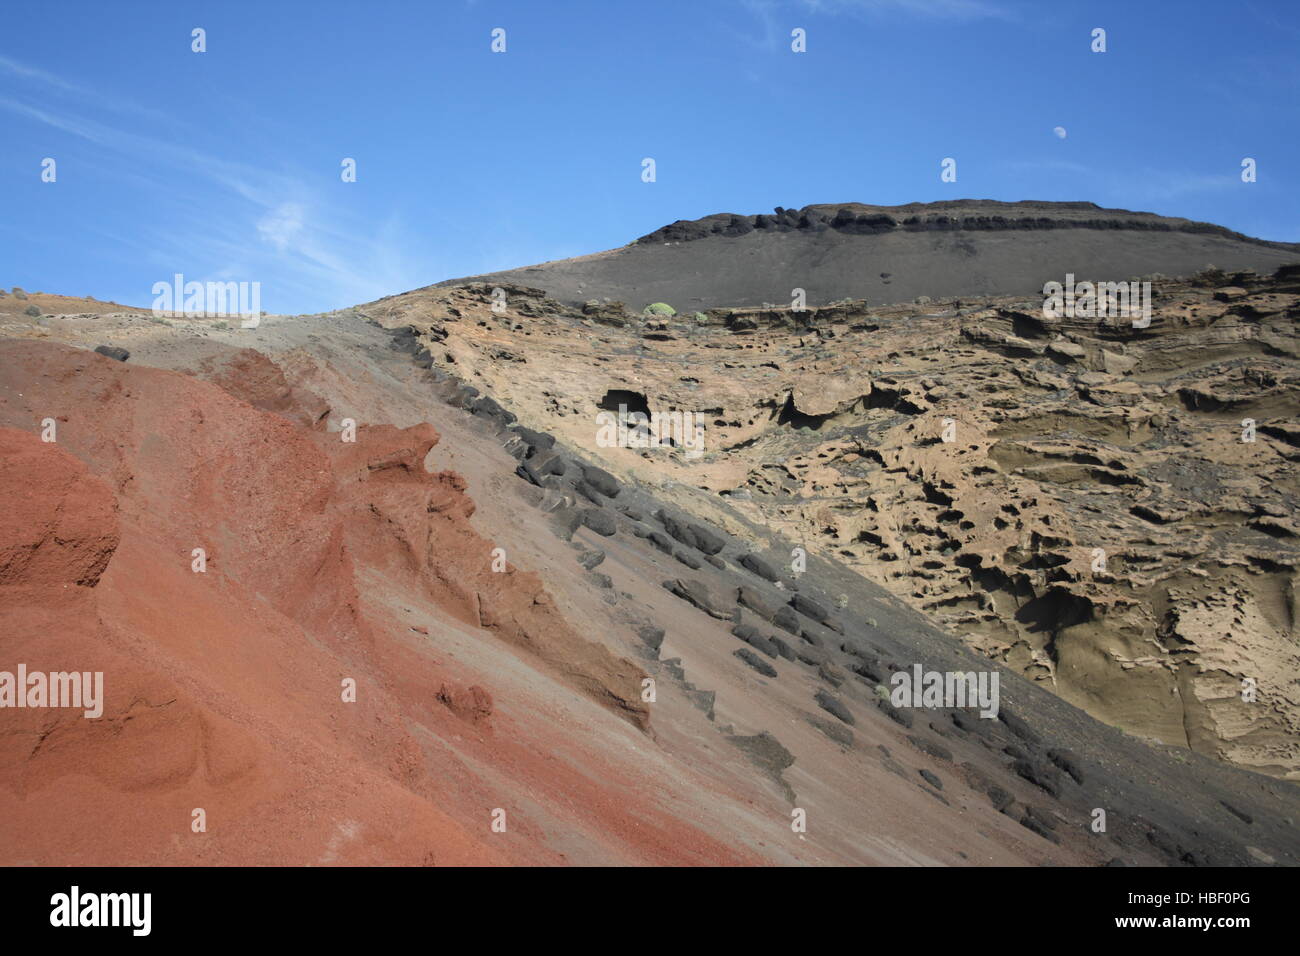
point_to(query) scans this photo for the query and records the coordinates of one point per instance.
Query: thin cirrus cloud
(50, 83)
(768, 15)
(282, 226)
(932, 9)
(304, 250)
(1161, 185)
(1127, 188)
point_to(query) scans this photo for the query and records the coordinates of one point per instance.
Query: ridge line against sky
(225, 164)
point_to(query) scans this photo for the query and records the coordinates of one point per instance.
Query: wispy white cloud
(765, 15)
(14, 68)
(1049, 165)
(282, 226)
(50, 83)
(1152, 185)
(1130, 186)
(773, 18)
(932, 9)
(272, 226)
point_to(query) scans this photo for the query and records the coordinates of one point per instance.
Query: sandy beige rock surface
(1097, 521)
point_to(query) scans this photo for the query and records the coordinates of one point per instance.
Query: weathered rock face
(889, 254)
(1072, 496)
(221, 682)
(60, 523)
(399, 558)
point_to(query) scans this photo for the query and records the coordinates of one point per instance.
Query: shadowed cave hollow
(620, 397)
(790, 415)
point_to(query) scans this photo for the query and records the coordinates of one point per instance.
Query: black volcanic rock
(601, 480)
(690, 534)
(750, 597)
(759, 566)
(536, 441)
(599, 521)
(694, 592)
(835, 707)
(787, 620)
(752, 637)
(756, 662)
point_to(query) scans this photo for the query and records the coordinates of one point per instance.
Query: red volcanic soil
(224, 690)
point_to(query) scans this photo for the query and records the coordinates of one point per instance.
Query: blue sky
(226, 164)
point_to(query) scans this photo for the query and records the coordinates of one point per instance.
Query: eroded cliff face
(1109, 509)
(630, 670)
(225, 668)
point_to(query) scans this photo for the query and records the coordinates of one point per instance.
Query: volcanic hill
(888, 254)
